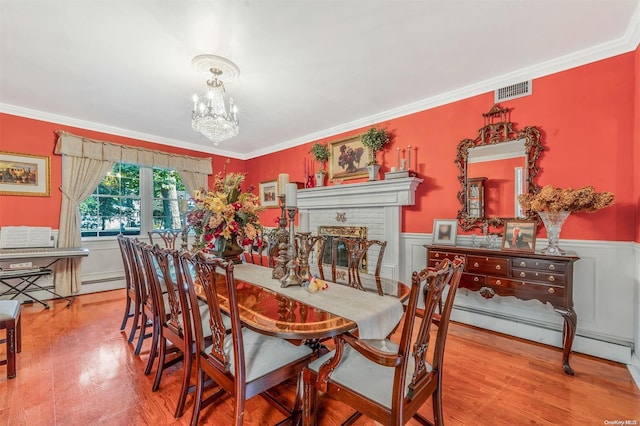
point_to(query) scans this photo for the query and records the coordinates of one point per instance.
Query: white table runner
(376, 316)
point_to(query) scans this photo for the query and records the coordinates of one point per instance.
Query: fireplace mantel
(379, 193)
(376, 205)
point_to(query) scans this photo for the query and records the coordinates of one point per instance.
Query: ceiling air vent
(514, 91)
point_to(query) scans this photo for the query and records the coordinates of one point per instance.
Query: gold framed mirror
(505, 160)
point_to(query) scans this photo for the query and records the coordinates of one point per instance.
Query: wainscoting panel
(605, 299)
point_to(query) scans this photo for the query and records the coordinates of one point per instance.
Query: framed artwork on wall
(24, 174)
(348, 159)
(519, 235)
(445, 231)
(269, 194)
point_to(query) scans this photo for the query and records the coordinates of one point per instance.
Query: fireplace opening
(342, 256)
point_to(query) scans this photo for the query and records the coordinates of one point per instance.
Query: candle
(283, 180)
(303, 220)
(398, 149)
(292, 195)
(409, 157)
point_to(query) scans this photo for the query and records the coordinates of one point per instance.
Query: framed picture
(269, 194)
(519, 235)
(24, 174)
(348, 159)
(445, 231)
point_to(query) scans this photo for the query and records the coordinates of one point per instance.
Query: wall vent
(513, 91)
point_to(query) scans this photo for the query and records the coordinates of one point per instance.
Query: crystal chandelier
(211, 117)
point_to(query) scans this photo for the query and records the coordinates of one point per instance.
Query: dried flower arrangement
(551, 199)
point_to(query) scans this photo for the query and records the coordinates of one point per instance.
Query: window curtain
(85, 162)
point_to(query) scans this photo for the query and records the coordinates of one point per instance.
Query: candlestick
(283, 180)
(292, 195)
(282, 236)
(305, 244)
(184, 205)
(292, 277)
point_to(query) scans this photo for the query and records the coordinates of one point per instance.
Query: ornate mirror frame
(498, 129)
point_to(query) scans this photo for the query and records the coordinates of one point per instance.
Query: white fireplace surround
(374, 204)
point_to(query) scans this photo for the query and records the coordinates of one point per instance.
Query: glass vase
(553, 222)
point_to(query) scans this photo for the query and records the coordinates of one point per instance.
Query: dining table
(297, 314)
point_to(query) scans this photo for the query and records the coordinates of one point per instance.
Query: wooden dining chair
(168, 237)
(175, 332)
(242, 363)
(354, 252)
(10, 322)
(133, 305)
(385, 381)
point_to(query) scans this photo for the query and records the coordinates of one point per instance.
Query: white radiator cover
(374, 204)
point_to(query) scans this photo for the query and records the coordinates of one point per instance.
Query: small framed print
(445, 231)
(519, 235)
(24, 174)
(269, 194)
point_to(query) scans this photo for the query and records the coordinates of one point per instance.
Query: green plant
(374, 140)
(321, 154)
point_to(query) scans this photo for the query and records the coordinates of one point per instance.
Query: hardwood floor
(76, 368)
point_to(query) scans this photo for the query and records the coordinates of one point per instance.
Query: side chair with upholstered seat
(242, 363)
(385, 381)
(133, 302)
(10, 322)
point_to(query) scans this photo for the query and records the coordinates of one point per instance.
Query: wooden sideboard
(523, 275)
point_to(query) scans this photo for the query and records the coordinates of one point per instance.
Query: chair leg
(153, 352)
(127, 313)
(136, 321)
(19, 335)
(11, 351)
(239, 407)
(162, 356)
(142, 333)
(197, 403)
(186, 378)
(309, 396)
(437, 407)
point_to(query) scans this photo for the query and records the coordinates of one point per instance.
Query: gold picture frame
(520, 236)
(348, 159)
(24, 174)
(269, 194)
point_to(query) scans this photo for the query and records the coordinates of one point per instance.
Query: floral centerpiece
(224, 215)
(554, 205)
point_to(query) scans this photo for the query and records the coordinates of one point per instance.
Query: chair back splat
(385, 380)
(242, 363)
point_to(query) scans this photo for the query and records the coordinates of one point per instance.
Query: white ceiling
(309, 68)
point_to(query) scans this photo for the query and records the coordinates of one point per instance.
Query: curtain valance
(77, 146)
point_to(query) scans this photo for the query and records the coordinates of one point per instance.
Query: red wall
(24, 135)
(586, 116)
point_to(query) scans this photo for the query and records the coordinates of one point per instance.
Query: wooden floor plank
(76, 368)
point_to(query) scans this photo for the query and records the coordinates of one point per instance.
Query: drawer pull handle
(552, 267)
(552, 278)
(498, 267)
(437, 255)
(523, 274)
(552, 290)
(476, 279)
(476, 265)
(523, 264)
(498, 282)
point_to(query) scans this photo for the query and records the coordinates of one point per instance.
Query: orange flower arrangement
(551, 199)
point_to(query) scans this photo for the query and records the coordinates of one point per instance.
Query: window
(133, 200)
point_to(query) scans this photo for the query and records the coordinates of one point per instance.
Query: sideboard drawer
(439, 256)
(533, 275)
(472, 281)
(488, 265)
(546, 265)
(524, 287)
